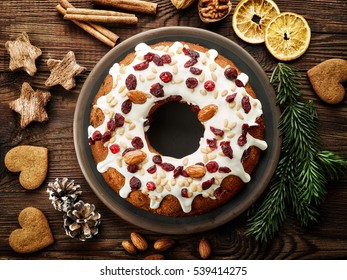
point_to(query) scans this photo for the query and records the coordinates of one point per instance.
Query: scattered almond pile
(138, 243)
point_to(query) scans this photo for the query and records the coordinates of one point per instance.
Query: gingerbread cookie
(31, 161)
(34, 234)
(327, 78)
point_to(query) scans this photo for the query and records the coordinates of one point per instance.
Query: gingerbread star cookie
(23, 54)
(30, 105)
(63, 72)
(34, 234)
(326, 79)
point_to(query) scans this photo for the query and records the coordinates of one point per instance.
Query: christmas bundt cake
(225, 104)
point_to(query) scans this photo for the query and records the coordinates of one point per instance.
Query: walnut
(214, 10)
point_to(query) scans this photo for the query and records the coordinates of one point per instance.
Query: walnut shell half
(213, 11)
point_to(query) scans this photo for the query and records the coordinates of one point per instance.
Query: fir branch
(334, 164)
(300, 179)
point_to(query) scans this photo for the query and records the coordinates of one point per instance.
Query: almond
(139, 241)
(137, 97)
(163, 244)
(196, 171)
(134, 157)
(155, 257)
(207, 112)
(129, 247)
(204, 248)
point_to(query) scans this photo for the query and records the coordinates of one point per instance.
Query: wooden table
(48, 30)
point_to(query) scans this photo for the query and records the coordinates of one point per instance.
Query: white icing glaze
(235, 116)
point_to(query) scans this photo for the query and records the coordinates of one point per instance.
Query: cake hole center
(175, 130)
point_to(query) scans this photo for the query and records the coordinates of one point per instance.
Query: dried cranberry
(126, 106)
(218, 193)
(224, 169)
(152, 169)
(131, 82)
(128, 150)
(178, 171)
(157, 90)
(111, 125)
(184, 173)
(190, 62)
(157, 159)
(191, 82)
(207, 184)
(230, 73)
(184, 193)
(141, 66)
(148, 56)
(226, 149)
(132, 168)
(191, 53)
(212, 143)
(174, 98)
(91, 141)
(230, 98)
(114, 148)
(242, 140)
(259, 120)
(209, 85)
(165, 77)
(217, 131)
(97, 135)
(195, 71)
(150, 186)
(137, 143)
(195, 108)
(166, 58)
(245, 128)
(119, 120)
(106, 136)
(135, 183)
(246, 105)
(239, 83)
(167, 166)
(157, 60)
(160, 102)
(212, 166)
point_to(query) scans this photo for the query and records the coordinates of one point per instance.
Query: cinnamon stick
(99, 32)
(104, 19)
(130, 5)
(83, 11)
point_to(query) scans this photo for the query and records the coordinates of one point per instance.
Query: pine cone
(81, 221)
(63, 194)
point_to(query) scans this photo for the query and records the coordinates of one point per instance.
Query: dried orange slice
(251, 17)
(287, 36)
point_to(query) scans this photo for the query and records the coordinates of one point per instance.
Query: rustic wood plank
(56, 36)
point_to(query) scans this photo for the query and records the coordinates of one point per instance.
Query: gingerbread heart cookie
(34, 234)
(327, 78)
(31, 161)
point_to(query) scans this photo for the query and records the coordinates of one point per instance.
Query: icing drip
(230, 118)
